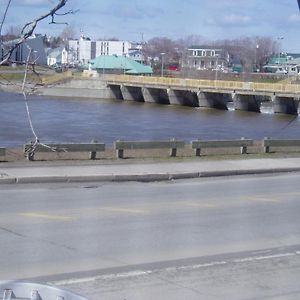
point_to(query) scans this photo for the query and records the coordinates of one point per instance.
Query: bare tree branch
(28, 29)
(4, 16)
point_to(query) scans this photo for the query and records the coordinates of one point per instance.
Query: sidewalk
(141, 171)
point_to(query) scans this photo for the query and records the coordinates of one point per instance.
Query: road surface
(233, 236)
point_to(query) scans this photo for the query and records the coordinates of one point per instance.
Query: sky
(138, 20)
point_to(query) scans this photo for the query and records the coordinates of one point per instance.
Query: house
(137, 55)
(283, 64)
(35, 44)
(57, 56)
(207, 58)
(114, 64)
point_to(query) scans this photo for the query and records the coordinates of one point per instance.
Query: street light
(162, 63)
(280, 39)
(216, 75)
(255, 60)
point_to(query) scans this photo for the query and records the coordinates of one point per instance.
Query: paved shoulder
(65, 172)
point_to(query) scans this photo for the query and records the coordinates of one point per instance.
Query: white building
(57, 56)
(83, 50)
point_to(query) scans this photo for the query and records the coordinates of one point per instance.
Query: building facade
(34, 44)
(83, 50)
(207, 58)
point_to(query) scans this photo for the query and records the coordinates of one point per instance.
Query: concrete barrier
(173, 145)
(93, 148)
(242, 143)
(268, 142)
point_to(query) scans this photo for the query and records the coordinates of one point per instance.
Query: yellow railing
(212, 84)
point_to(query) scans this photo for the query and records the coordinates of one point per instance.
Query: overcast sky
(134, 19)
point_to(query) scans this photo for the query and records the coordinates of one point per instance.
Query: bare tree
(252, 52)
(29, 28)
(26, 32)
(68, 33)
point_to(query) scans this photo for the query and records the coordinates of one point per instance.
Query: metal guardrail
(209, 84)
(93, 148)
(173, 144)
(242, 144)
(33, 291)
(268, 142)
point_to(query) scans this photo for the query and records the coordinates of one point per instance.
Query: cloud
(231, 20)
(132, 10)
(38, 3)
(234, 19)
(294, 18)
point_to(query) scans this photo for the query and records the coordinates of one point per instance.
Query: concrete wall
(180, 97)
(154, 95)
(132, 93)
(285, 105)
(213, 100)
(246, 102)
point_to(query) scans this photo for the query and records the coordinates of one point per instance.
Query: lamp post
(280, 39)
(255, 59)
(216, 75)
(162, 63)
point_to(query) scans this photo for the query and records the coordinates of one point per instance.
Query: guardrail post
(198, 150)
(93, 153)
(243, 148)
(7, 294)
(173, 151)
(119, 152)
(29, 152)
(266, 147)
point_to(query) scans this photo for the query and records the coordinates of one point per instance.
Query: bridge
(246, 96)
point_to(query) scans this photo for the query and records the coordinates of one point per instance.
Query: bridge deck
(222, 86)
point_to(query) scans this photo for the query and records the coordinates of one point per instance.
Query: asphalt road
(161, 240)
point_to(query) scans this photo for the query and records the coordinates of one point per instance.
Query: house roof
(277, 60)
(205, 47)
(115, 62)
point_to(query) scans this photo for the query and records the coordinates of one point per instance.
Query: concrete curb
(141, 177)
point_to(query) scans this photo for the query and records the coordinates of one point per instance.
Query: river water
(81, 120)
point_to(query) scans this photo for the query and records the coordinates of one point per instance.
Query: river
(81, 120)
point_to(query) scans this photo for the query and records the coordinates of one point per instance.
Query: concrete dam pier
(209, 99)
(245, 96)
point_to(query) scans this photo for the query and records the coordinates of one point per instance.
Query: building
(114, 64)
(283, 64)
(207, 58)
(83, 50)
(35, 44)
(57, 56)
